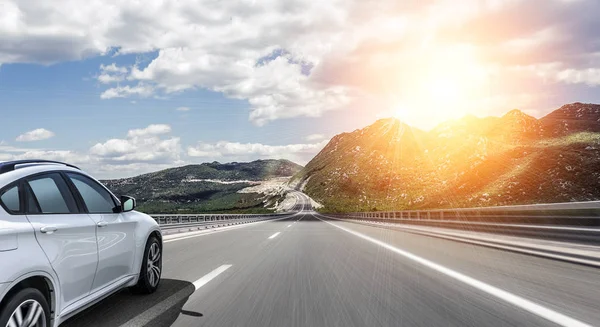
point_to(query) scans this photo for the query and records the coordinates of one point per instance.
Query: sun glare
(444, 89)
(445, 85)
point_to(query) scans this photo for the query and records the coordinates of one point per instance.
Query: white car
(66, 242)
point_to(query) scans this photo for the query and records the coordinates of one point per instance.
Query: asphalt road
(306, 270)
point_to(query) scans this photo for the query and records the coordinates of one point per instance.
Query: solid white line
(274, 235)
(210, 276)
(516, 300)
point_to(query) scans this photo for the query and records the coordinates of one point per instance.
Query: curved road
(307, 270)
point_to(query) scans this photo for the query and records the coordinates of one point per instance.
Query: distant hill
(514, 159)
(204, 187)
(572, 118)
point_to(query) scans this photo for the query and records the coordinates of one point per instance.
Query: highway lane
(314, 274)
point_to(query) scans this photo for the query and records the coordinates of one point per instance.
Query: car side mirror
(127, 203)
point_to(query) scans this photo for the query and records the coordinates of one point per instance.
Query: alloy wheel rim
(30, 313)
(154, 264)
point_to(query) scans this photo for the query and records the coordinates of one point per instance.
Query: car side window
(11, 200)
(30, 201)
(96, 198)
(50, 195)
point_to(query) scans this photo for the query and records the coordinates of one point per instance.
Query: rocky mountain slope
(205, 187)
(513, 159)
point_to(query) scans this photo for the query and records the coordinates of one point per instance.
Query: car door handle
(102, 224)
(48, 229)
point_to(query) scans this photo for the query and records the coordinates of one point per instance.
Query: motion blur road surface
(308, 270)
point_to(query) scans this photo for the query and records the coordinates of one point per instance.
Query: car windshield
(300, 163)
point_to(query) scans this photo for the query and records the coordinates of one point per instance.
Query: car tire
(32, 305)
(151, 268)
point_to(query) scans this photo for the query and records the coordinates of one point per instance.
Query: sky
(127, 87)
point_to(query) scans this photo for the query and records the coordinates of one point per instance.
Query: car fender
(13, 269)
(145, 226)
(51, 279)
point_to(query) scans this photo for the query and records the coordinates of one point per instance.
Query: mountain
(204, 187)
(513, 159)
(572, 118)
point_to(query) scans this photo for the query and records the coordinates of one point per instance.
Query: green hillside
(207, 187)
(514, 159)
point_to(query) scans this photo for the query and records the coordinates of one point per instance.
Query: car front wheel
(151, 269)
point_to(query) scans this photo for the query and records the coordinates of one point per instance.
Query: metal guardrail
(186, 223)
(574, 221)
(564, 214)
(163, 219)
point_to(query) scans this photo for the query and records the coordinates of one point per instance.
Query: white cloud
(275, 89)
(155, 129)
(112, 74)
(140, 145)
(141, 90)
(98, 166)
(5, 147)
(298, 57)
(113, 68)
(183, 109)
(110, 171)
(108, 79)
(314, 137)
(35, 135)
(142, 150)
(72, 157)
(8, 152)
(299, 153)
(590, 76)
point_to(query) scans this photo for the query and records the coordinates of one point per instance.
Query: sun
(434, 100)
(444, 89)
(401, 112)
(440, 85)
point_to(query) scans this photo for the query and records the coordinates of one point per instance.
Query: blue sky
(122, 87)
(65, 99)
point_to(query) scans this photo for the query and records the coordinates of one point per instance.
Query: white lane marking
(274, 235)
(288, 226)
(146, 317)
(536, 309)
(210, 276)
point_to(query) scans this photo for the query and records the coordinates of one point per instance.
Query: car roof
(34, 168)
(6, 166)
